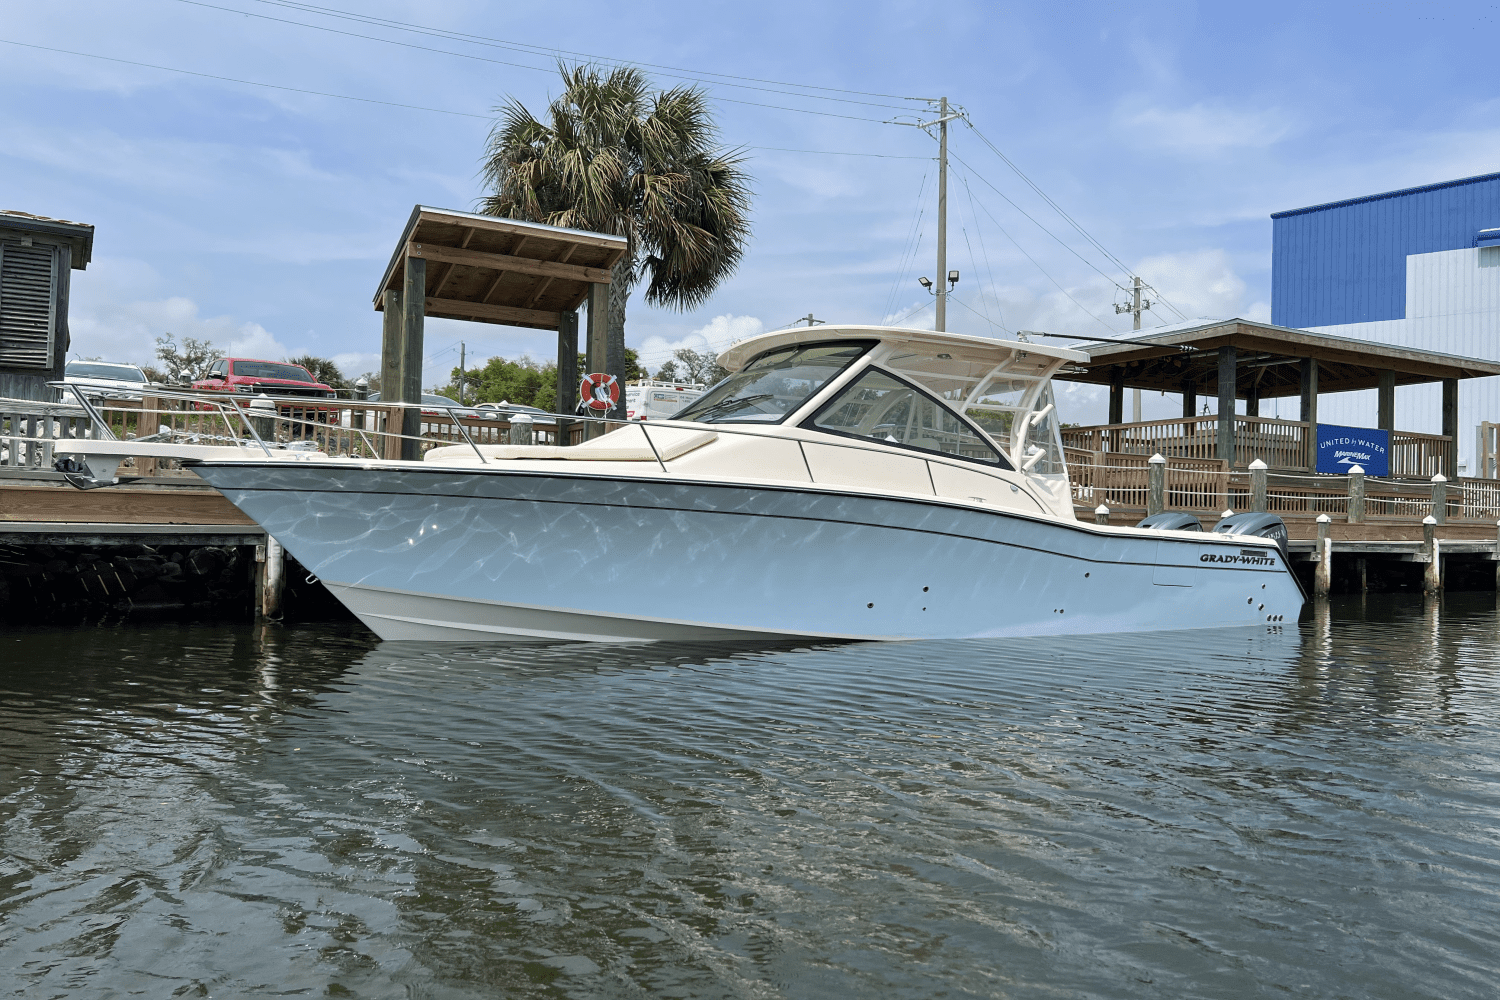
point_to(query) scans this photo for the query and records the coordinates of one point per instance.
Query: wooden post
(567, 371)
(1116, 396)
(521, 429)
(413, 322)
(1309, 409)
(1252, 402)
(1228, 376)
(1440, 498)
(1386, 405)
(150, 423)
(1362, 569)
(1323, 575)
(1101, 516)
(1258, 486)
(1189, 399)
(1450, 426)
(1156, 485)
(598, 344)
(1497, 557)
(1356, 494)
(1432, 576)
(273, 572)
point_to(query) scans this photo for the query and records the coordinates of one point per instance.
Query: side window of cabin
(880, 407)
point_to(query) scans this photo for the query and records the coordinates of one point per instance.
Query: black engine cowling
(1172, 520)
(1260, 525)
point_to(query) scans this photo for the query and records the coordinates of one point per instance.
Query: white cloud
(1203, 129)
(717, 335)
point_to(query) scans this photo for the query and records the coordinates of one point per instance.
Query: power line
(1062, 243)
(908, 248)
(1069, 219)
(985, 250)
(1042, 269)
(514, 65)
(723, 79)
(249, 83)
(835, 152)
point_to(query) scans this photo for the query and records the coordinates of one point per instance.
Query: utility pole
(809, 320)
(942, 239)
(1135, 307)
(945, 279)
(460, 373)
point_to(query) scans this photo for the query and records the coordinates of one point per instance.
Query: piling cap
(1257, 465)
(520, 418)
(1157, 459)
(1440, 478)
(1429, 519)
(1324, 519)
(1356, 470)
(262, 402)
(1227, 513)
(1101, 509)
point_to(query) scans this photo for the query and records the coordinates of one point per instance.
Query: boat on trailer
(845, 483)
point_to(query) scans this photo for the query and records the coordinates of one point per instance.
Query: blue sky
(262, 218)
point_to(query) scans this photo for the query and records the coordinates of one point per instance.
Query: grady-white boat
(845, 483)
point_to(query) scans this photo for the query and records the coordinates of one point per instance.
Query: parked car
(503, 411)
(434, 405)
(107, 379)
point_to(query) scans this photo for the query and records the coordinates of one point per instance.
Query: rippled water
(221, 811)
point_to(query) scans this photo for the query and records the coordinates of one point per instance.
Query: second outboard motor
(1261, 525)
(1172, 520)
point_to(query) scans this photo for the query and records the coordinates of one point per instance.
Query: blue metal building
(1419, 267)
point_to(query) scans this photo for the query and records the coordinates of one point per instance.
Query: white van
(650, 399)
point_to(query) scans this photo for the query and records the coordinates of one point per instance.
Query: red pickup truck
(274, 378)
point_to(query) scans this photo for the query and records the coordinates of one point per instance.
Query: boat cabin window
(877, 406)
(774, 384)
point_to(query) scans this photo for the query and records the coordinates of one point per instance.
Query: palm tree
(616, 157)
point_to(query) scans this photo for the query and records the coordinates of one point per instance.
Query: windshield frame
(866, 345)
(811, 424)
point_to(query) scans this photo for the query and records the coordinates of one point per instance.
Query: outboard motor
(1172, 520)
(1260, 525)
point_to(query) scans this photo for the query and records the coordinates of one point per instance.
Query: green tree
(322, 369)
(186, 362)
(688, 365)
(615, 156)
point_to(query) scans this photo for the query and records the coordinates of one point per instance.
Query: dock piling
(1440, 498)
(1432, 573)
(270, 578)
(1323, 573)
(1156, 485)
(1356, 494)
(1101, 516)
(521, 429)
(1258, 486)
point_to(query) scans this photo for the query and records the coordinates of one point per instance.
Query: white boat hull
(428, 553)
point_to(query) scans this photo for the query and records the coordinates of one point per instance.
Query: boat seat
(630, 446)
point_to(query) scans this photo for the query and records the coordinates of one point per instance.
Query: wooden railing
(1281, 444)
(28, 430)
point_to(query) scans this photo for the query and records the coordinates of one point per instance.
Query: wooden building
(1238, 360)
(37, 257)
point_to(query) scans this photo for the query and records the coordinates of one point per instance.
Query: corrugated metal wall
(1346, 262)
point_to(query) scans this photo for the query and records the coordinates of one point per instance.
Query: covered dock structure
(484, 269)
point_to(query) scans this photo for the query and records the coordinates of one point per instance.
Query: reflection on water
(233, 812)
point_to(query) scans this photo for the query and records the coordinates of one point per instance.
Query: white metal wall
(1452, 306)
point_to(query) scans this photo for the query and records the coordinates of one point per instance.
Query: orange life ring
(600, 391)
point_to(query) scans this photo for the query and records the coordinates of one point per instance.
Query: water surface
(232, 811)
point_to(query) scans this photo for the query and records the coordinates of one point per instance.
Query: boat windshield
(774, 384)
(880, 407)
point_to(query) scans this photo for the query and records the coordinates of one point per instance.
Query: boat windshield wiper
(736, 403)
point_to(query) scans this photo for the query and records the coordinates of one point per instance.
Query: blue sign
(1339, 448)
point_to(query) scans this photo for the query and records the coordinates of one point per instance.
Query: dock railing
(1281, 444)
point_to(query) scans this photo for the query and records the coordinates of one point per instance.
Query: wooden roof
(492, 270)
(1267, 360)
